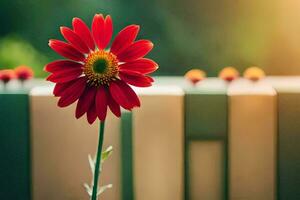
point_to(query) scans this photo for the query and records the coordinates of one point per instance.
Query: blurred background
(186, 33)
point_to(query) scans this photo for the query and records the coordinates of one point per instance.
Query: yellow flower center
(100, 68)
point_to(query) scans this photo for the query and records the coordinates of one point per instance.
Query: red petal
(83, 32)
(72, 93)
(131, 95)
(97, 27)
(102, 30)
(91, 113)
(101, 103)
(61, 87)
(65, 75)
(135, 79)
(124, 38)
(61, 65)
(114, 106)
(135, 51)
(119, 95)
(124, 95)
(74, 39)
(143, 66)
(85, 101)
(66, 50)
(150, 79)
(108, 31)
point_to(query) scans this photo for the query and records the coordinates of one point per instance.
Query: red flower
(98, 78)
(6, 75)
(23, 73)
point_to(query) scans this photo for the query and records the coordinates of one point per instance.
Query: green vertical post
(288, 145)
(206, 120)
(14, 143)
(126, 156)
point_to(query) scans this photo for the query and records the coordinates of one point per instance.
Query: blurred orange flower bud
(195, 75)
(254, 73)
(229, 74)
(6, 75)
(23, 72)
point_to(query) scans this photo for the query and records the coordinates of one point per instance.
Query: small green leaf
(88, 189)
(103, 188)
(100, 190)
(92, 163)
(106, 153)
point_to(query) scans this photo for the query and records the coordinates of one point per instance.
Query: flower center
(100, 68)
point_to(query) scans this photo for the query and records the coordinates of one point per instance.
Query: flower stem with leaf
(98, 161)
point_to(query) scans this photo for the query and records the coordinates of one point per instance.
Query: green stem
(98, 161)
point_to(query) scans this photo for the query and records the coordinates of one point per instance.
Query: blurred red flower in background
(254, 73)
(23, 72)
(6, 75)
(195, 76)
(229, 74)
(96, 77)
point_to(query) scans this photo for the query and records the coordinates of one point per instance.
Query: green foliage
(15, 51)
(186, 34)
